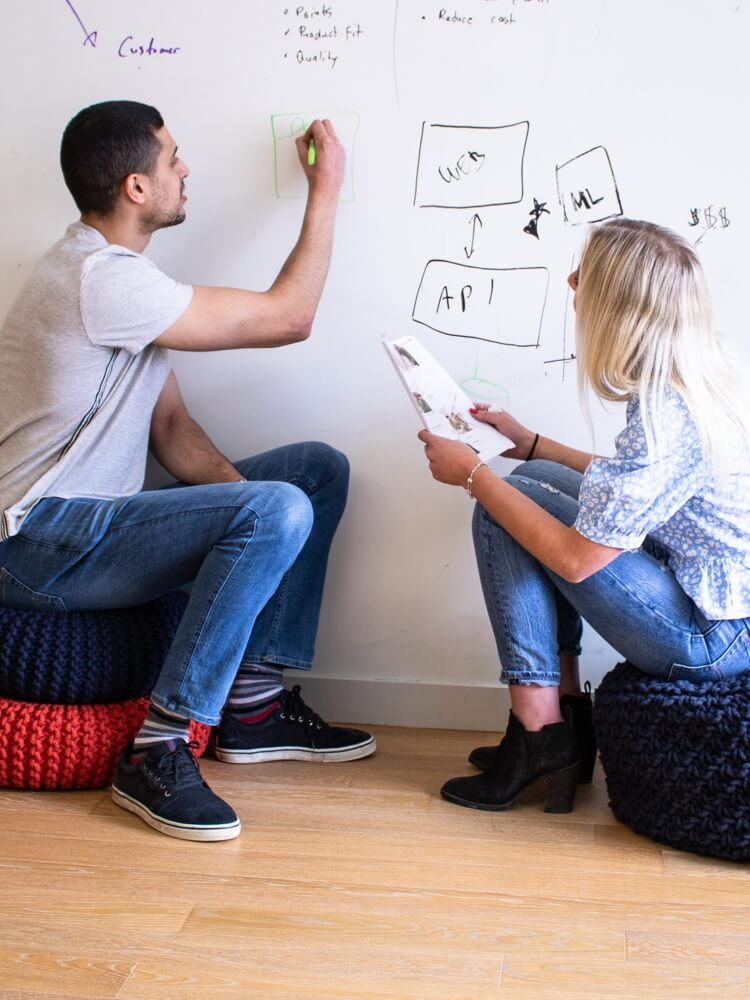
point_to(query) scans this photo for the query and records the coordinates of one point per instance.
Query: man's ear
(134, 188)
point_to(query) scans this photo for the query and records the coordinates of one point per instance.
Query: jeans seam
(620, 586)
(195, 639)
(499, 607)
(185, 513)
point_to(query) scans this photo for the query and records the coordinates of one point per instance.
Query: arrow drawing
(473, 220)
(90, 36)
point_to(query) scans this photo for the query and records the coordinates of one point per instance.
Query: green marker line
(311, 154)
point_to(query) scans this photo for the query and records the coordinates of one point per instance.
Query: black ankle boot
(577, 709)
(522, 758)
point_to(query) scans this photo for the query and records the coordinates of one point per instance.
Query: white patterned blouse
(670, 503)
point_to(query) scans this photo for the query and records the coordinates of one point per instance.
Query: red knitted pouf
(70, 746)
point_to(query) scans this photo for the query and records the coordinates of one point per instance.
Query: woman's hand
(501, 420)
(450, 461)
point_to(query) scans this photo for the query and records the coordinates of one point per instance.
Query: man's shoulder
(117, 263)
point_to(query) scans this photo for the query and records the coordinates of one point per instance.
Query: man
(86, 389)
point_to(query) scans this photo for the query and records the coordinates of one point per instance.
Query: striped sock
(159, 726)
(255, 692)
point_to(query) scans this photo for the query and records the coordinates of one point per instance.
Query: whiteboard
(481, 138)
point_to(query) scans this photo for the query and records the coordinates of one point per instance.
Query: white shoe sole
(295, 753)
(183, 831)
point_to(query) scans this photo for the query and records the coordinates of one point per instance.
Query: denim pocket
(16, 595)
(734, 660)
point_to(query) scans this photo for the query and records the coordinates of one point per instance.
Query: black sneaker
(165, 788)
(292, 731)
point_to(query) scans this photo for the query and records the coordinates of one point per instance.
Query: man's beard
(161, 220)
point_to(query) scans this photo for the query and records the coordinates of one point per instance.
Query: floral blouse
(670, 501)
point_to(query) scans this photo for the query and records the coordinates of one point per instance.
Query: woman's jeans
(635, 603)
(254, 553)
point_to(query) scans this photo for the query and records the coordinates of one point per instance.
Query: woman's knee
(556, 476)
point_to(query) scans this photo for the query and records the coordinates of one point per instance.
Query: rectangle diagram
(587, 189)
(470, 166)
(501, 305)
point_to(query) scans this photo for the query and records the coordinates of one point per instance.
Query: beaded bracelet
(470, 480)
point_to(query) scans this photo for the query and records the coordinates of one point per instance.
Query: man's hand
(220, 319)
(450, 461)
(327, 173)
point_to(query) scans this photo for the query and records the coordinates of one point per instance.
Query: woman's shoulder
(666, 430)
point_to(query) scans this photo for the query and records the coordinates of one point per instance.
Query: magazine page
(440, 402)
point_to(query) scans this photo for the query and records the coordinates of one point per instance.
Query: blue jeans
(255, 555)
(635, 602)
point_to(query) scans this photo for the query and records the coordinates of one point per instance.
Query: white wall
(662, 87)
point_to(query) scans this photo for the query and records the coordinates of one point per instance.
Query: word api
(460, 300)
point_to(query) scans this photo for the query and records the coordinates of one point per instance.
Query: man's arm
(181, 445)
(223, 318)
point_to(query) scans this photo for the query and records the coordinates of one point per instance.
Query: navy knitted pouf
(676, 756)
(86, 657)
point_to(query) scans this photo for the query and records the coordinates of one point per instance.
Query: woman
(651, 547)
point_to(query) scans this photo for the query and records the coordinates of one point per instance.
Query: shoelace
(297, 711)
(177, 768)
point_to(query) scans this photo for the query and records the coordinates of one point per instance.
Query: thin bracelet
(470, 480)
(532, 449)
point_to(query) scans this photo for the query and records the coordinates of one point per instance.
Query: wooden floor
(357, 881)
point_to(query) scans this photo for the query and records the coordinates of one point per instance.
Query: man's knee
(326, 464)
(279, 500)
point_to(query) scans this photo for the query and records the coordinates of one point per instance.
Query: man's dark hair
(102, 145)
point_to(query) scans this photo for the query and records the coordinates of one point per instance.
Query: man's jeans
(254, 553)
(635, 602)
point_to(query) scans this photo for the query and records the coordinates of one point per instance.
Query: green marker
(311, 154)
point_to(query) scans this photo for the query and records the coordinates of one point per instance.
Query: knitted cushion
(70, 746)
(86, 657)
(676, 756)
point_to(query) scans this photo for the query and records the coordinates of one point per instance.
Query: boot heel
(561, 790)
(577, 709)
(586, 772)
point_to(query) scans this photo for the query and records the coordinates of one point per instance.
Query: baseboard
(394, 703)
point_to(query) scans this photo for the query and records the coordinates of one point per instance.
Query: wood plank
(529, 976)
(30, 971)
(688, 947)
(359, 882)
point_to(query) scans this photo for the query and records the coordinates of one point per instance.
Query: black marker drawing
(89, 36)
(465, 164)
(503, 305)
(587, 189)
(566, 358)
(539, 209)
(470, 166)
(473, 220)
(709, 218)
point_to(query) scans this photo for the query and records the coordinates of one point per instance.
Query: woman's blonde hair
(644, 323)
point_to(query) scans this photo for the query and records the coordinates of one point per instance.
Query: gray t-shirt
(79, 375)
